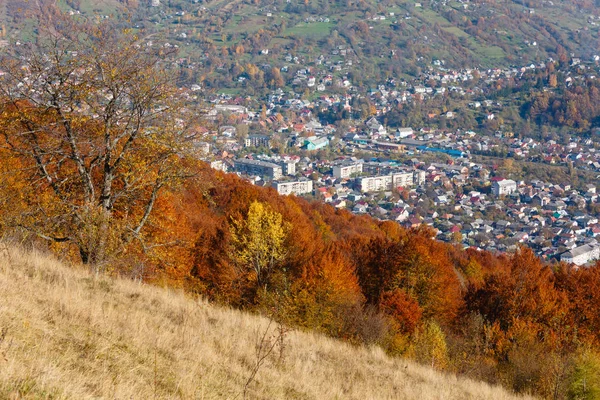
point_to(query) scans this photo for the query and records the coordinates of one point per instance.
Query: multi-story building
(581, 255)
(402, 179)
(504, 187)
(288, 167)
(375, 183)
(258, 141)
(419, 177)
(347, 169)
(295, 187)
(386, 182)
(259, 168)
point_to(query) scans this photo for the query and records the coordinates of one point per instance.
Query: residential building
(288, 167)
(347, 169)
(293, 187)
(504, 187)
(581, 255)
(258, 141)
(259, 168)
(419, 177)
(385, 182)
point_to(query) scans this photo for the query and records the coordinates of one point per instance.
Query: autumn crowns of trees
(93, 130)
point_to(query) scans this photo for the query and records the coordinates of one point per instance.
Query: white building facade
(581, 255)
(346, 170)
(295, 187)
(386, 182)
(504, 187)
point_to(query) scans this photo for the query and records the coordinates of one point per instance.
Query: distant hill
(369, 41)
(67, 334)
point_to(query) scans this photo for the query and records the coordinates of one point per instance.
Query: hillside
(366, 41)
(68, 334)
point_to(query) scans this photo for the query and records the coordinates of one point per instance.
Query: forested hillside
(502, 319)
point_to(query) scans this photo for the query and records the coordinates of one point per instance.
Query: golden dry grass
(69, 334)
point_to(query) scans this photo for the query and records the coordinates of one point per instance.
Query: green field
(311, 29)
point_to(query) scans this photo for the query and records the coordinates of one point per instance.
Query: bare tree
(93, 118)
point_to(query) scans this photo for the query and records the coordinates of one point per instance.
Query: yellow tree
(258, 243)
(92, 115)
(585, 378)
(430, 346)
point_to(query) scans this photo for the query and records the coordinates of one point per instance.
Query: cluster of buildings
(460, 199)
(423, 175)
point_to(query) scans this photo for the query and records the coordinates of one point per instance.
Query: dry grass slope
(67, 334)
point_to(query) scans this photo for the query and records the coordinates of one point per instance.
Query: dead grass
(71, 335)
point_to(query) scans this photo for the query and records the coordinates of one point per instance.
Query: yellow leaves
(258, 242)
(430, 346)
(252, 70)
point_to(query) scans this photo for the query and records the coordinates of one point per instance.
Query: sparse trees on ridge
(93, 124)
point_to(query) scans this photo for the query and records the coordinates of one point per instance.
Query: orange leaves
(525, 290)
(403, 310)
(332, 271)
(582, 286)
(99, 132)
(416, 265)
(529, 321)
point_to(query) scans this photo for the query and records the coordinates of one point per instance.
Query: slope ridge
(67, 334)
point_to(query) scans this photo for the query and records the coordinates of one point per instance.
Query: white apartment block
(581, 255)
(288, 167)
(504, 187)
(295, 187)
(346, 170)
(419, 178)
(386, 182)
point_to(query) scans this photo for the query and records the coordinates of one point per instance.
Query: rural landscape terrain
(76, 335)
(299, 199)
